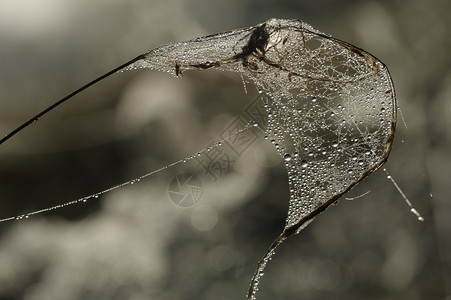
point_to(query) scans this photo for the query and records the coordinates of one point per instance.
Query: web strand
(247, 126)
(412, 209)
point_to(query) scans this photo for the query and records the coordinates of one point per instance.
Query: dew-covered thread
(130, 182)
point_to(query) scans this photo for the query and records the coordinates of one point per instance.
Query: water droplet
(287, 157)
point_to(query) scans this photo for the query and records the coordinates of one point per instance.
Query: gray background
(134, 243)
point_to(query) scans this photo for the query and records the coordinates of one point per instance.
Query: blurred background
(137, 242)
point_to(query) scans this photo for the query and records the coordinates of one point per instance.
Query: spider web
(331, 113)
(331, 107)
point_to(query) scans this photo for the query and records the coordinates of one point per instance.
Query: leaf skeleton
(331, 108)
